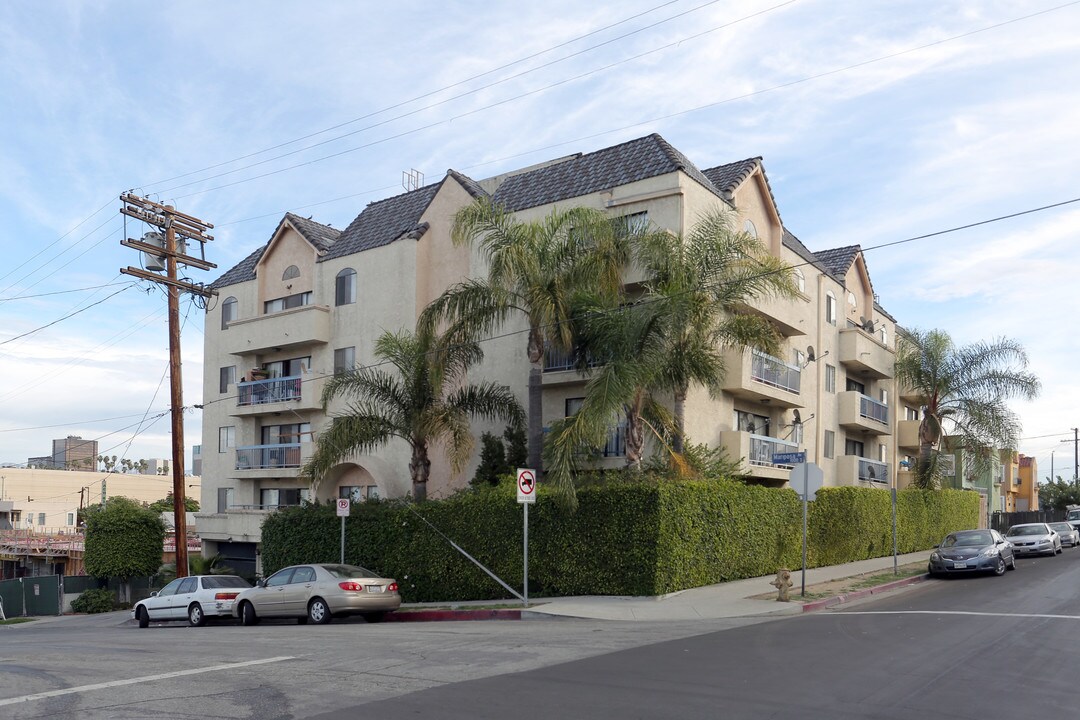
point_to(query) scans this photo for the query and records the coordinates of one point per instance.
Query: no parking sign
(526, 485)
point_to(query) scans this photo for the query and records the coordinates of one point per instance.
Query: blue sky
(876, 121)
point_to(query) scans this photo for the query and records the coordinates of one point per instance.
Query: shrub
(98, 600)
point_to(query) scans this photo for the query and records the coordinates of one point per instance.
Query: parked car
(970, 551)
(1070, 536)
(1034, 539)
(195, 598)
(319, 593)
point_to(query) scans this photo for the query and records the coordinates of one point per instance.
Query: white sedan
(195, 598)
(1034, 539)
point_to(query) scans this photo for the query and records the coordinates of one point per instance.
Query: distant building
(156, 466)
(196, 460)
(70, 453)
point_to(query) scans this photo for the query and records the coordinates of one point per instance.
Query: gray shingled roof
(610, 167)
(470, 185)
(838, 260)
(241, 272)
(796, 245)
(728, 177)
(384, 221)
(319, 235)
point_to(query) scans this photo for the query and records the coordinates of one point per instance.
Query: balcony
(756, 452)
(852, 470)
(560, 367)
(907, 434)
(298, 327)
(864, 355)
(263, 397)
(756, 376)
(865, 414)
(240, 523)
(789, 316)
(279, 461)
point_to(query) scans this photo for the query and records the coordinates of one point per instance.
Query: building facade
(312, 300)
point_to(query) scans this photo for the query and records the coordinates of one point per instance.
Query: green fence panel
(11, 596)
(42, 594)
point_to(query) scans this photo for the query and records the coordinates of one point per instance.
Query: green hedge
(638, 538)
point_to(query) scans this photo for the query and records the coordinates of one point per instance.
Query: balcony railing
(257, 457)
(616, 443)
(873, 470)
(556, 360)
(775, 372)
(874, 410)
(762, 448)
(260, 392)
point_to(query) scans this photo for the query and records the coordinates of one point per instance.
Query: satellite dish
(798, 417)
(810, 353)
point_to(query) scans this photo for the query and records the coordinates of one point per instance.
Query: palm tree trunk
(923, 474)
(679, 413)
(420, 469)
(536, 417)
(635, 434)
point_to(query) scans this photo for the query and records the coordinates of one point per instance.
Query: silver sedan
(319, 592)
(1034, 539)
(1070, 536)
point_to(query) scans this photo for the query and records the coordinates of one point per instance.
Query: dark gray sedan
(972, 551)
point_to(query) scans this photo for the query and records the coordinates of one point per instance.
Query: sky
(877, 122)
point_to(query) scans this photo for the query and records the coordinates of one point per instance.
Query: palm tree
(197, 565)
(670, 338)
(962, 392)
(425, 401)
(533, 268)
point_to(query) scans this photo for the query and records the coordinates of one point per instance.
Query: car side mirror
(153, 594)
(936, 547)
(260, 583)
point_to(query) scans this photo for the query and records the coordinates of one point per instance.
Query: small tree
(492, 461)
(1056, 494)
(123, 540)
(166, 504)
(517, 448)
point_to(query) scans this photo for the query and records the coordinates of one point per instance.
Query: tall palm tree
(424, 401)
(671, 337)
(963, 393)
(532, 270)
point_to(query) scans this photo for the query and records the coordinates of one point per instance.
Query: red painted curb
(859, 594)
(442, 615)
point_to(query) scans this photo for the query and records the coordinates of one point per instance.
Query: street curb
(443, 615)
(859, 594)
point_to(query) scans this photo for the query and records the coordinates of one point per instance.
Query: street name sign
(789, 458)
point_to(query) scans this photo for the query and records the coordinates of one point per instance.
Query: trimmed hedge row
(641, 538)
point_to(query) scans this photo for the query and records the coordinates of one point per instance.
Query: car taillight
(226, 595)
(351, 586)
(392, 587)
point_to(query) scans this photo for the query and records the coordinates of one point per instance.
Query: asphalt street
(979, 647)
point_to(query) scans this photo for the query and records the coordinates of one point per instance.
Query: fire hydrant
(782, 583)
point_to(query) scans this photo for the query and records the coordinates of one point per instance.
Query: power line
(70, 424)
(444, 88)
(58, 320)
(54, 242)
(60, 292)
(623, 128)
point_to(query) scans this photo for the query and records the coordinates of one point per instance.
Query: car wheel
(375, 617)
(999, 568)
(247, 615)
(318, 612)
(143, 617)
(195, 616)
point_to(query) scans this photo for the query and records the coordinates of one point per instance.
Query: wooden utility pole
(174, 253)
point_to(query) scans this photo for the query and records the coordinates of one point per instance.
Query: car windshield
(214, 582)
(349, 571)
(968, 539)
(1073, 515)
(1062, 527)
(1027, 530)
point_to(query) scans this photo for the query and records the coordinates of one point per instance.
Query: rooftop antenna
(411, 179)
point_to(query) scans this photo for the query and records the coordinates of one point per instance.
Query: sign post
(344, 507)
(526, 496)
(806, 480)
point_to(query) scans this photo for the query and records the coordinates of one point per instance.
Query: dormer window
(852, 301)
(750, 229)
(800, 280)
(290, 273)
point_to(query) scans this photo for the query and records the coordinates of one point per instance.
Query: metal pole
(805, 503)
(895, 561)
(342, 539)
(526, 548)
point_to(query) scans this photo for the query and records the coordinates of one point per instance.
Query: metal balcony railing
(556, 360)
(873, 410)
(873, 470)
(257, 457)
(260, 392)
(762, 449)
(773, 371)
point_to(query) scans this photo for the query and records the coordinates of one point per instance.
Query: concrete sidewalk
(724, 600)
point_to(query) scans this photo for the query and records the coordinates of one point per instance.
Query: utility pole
(167, 248)
(1076, 457)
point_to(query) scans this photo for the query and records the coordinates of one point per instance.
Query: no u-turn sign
(526, 485)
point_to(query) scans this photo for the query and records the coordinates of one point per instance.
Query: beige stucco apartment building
(313, 299)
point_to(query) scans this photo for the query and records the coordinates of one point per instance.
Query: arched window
(228, 312)
(748, 226)
(345, 287)
(852, 301)
(800, 280)
(290, 272)
(884, 336)
(830, 308)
